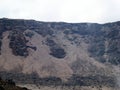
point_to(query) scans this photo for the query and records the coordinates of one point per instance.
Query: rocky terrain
(59, 53)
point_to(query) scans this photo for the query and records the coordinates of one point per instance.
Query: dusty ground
(34, 87)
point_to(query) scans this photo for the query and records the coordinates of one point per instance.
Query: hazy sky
(100, 11)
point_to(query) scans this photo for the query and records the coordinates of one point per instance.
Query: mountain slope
(59, 49)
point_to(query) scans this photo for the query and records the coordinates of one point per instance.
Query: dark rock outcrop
(18, 43)
(9, 84)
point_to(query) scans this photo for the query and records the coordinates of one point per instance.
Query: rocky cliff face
(59, 49)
